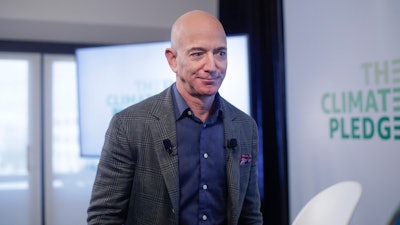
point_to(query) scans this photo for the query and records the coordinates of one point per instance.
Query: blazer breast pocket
(245, 159)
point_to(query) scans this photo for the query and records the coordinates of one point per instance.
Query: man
(186, 155)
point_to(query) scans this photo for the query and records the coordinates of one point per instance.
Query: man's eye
(196, 54)
(221, 54)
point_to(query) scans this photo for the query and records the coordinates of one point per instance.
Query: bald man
(184, 156)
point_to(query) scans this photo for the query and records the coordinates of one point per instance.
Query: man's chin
(209, 92)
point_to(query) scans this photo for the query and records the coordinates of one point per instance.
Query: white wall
(94, 21)
(336, 50)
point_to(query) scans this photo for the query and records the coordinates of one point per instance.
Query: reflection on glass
(72, 176)
(66, 152)
(13, 118)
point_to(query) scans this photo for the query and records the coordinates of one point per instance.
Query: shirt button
(205, 155)
(204, 217)
(205, 186)
(204, 125)
(189, 113)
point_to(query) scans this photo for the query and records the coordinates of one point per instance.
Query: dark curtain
(262, 21)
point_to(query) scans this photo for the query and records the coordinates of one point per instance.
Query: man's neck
(201, 106)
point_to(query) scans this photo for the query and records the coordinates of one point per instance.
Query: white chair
(333, 206)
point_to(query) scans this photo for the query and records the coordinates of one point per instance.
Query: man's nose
(210, 64)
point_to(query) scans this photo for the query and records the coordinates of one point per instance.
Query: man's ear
(170, 54)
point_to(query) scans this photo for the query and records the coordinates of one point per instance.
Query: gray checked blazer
(137, 181)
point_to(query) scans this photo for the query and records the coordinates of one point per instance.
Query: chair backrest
(333, 206)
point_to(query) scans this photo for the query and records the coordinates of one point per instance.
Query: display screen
(112, 78)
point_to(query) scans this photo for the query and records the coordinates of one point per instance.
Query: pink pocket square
(244, 159)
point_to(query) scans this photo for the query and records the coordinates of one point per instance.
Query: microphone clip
(232, 143)
(168, 146)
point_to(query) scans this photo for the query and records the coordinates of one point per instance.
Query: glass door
(69, 177)
(20, 139)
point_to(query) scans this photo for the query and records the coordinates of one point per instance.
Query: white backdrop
(343, 102)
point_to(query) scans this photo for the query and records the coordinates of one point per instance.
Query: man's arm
(111, 190)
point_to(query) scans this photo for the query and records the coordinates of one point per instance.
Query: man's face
(201, 61)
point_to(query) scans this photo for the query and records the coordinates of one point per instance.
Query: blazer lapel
(164, 128)
(232, 165)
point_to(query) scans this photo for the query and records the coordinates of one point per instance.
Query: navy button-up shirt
(202, 173)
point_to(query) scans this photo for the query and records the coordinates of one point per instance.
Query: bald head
(194, 23)
(198, 57)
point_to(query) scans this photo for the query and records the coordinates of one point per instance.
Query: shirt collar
(182, 109)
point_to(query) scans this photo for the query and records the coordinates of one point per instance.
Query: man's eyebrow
(222, 48)
(196, 49)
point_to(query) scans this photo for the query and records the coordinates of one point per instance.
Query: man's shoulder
(232, 111)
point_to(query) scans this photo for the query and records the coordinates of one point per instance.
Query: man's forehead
(197, 25)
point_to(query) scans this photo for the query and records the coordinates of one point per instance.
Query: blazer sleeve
(110, 195)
